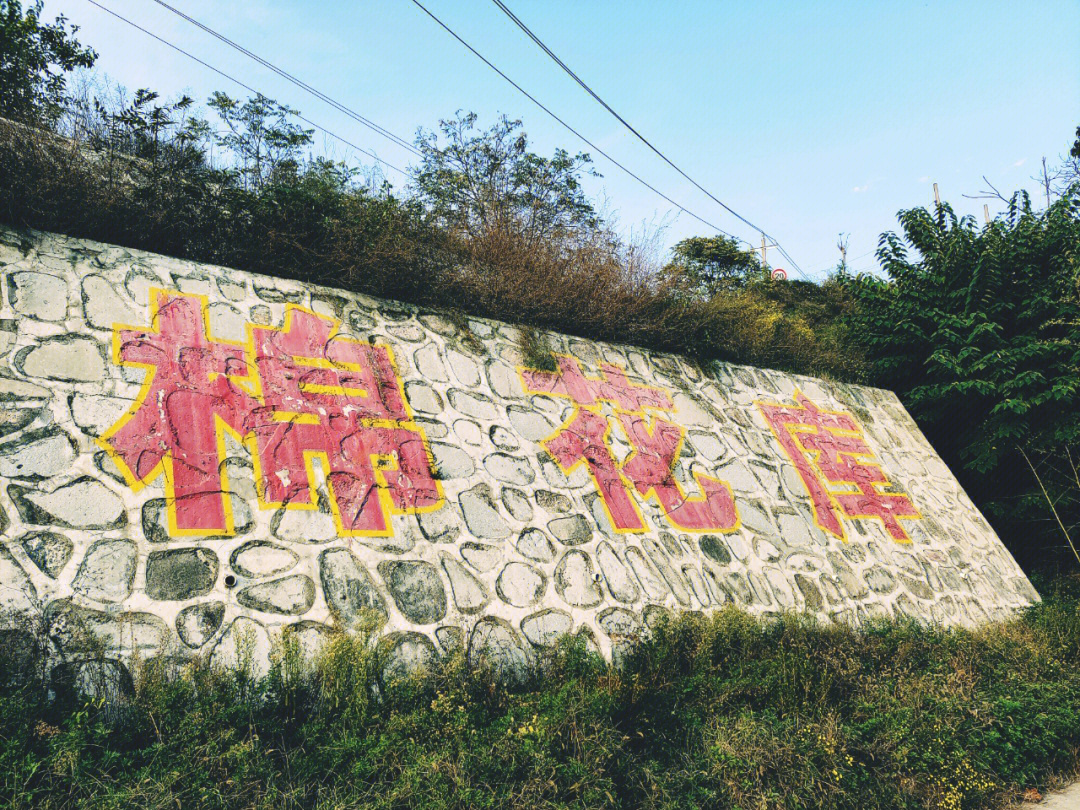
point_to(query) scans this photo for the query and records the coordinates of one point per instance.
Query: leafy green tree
(713, 263)
(1069, 170)
(262, 136)
(479, 183)
(162, 133)
(34, 60)
(978, 331)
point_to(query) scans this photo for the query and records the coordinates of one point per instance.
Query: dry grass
(587, 282)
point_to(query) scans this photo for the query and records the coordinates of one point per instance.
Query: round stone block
(180, 573)
(520, 584)
(416, 588)
(291, 596)
(494, 643)
(576, 581)
(197, 624)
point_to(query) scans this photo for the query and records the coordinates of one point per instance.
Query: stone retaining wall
(192, 457)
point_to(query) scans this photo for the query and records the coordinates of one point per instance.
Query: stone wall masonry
(193, 458)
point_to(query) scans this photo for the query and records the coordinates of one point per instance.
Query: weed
(535, 351)
(718, 711)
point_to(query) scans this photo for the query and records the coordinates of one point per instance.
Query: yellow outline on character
(815, 456)
(251, 384)
(628, 486)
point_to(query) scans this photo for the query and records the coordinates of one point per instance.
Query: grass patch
(535, 351)
(724, 711)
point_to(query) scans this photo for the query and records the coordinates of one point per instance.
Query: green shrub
(977, 329)
(718, 711)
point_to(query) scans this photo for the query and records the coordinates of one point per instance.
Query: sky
(809, 119)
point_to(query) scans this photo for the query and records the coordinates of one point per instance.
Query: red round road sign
(779, 274)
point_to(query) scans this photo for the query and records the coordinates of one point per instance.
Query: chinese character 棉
(294, 396)
(655, 445)
(830, 455)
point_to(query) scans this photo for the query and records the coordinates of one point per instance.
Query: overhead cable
(592, 145)
(247, 87)
(291, 78)
(637, 134)
(371, 124)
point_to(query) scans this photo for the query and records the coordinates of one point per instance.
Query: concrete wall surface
(193, 457)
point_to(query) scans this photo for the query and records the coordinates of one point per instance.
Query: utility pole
(986, 213)
(842, 244)
(937, 197)
(763, 248)
(1046, 182)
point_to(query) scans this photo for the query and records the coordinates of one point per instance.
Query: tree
(261, 136)
(1068, 172)
(713, 263)
(480, 183)
(167, 134)
(34, 60)
(978, 331)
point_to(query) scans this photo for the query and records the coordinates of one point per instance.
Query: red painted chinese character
(307, 395)
(656, 445)
(656, 449)
(613, 387)
(337, 400)
(187, 397)
(826, 447)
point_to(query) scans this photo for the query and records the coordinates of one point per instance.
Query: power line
(375, 127)
(517, 21)
(247, 87)
(791, 261)
(637, 134)
(533, 99)
(298, 82)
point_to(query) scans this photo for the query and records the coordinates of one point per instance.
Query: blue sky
(809, 119)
